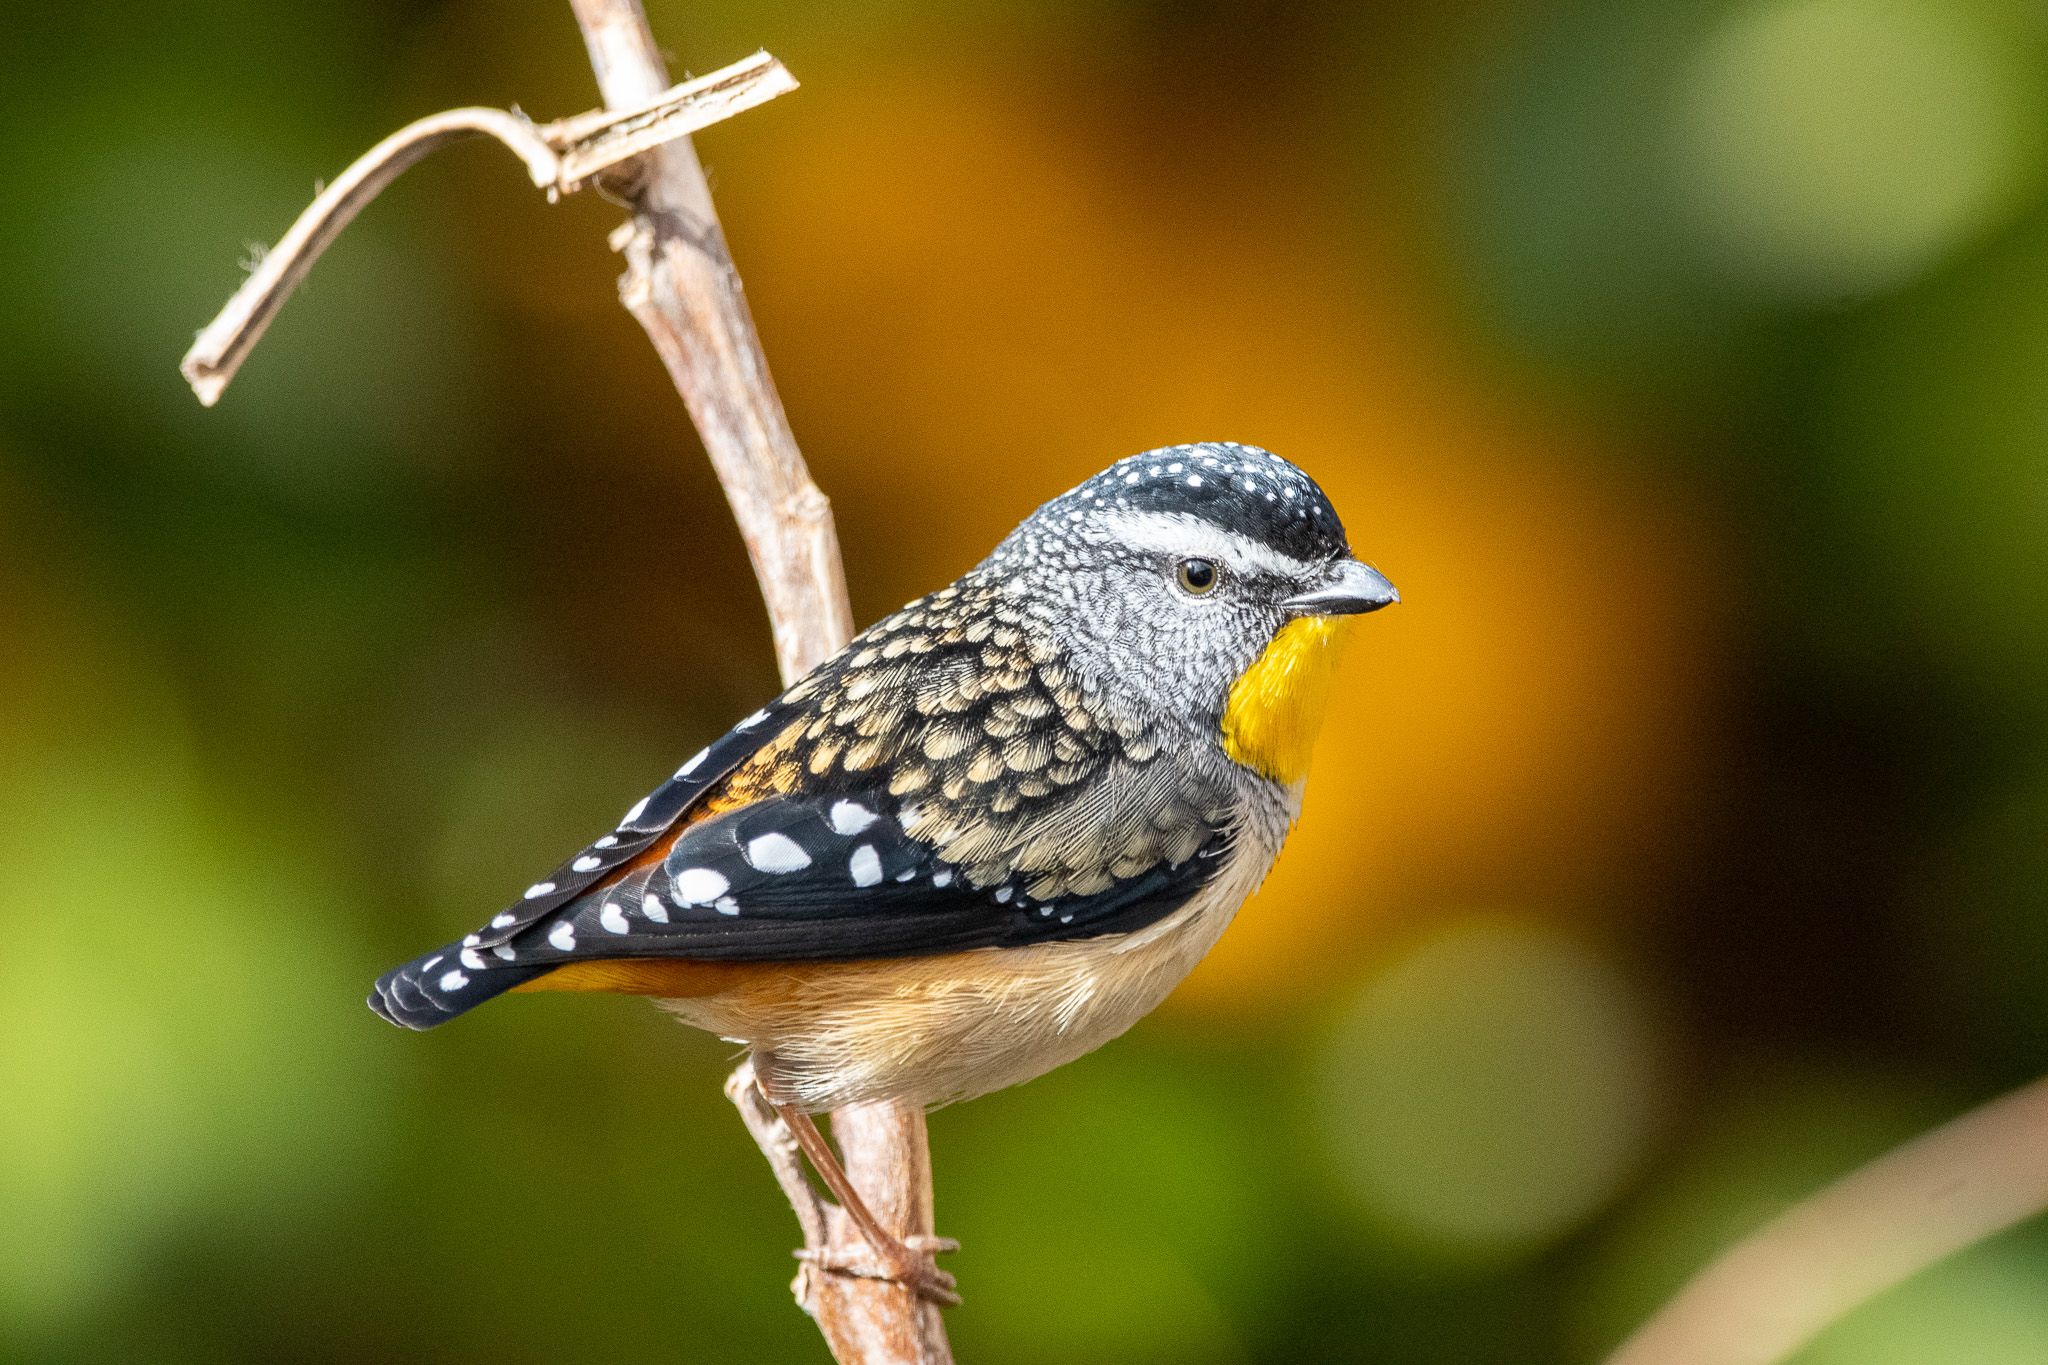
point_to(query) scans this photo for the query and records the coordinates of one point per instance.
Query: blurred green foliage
(1682, 844)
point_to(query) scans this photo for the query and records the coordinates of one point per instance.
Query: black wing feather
(783, 881)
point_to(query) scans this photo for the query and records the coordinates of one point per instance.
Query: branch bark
(681, 285)
(1778, 1288)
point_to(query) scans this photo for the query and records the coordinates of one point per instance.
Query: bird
(987, 836)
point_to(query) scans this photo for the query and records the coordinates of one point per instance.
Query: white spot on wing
(539, 889)
(563, 936)
(504, 921)
(472, 959)
(453, 981)
(695, 759)
(727, 906)
(609, 841)
(865, 865)
(639, 809)
(651, 906)
(777, 853)
(698, 886)
(587, 863)
(612, 918)
(751, 721)
(503, 952)
(849, 818)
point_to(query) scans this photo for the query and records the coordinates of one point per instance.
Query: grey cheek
(1115, 610)
(1131, 617)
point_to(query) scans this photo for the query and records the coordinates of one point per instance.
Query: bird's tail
(433, 989)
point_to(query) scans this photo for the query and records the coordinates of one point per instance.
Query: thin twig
(681, 285)
(603, 138)
(786, 1161)
(560, 158)
(1782, 1285)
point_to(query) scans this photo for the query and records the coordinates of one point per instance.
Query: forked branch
(681, 285)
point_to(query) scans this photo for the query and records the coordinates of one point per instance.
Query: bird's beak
(1348, 589)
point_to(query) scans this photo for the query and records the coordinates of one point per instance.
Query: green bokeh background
(1680, 843)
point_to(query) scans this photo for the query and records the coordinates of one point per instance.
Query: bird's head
(1210, 582)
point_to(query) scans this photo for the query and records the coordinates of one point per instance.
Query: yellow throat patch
(1276, 709)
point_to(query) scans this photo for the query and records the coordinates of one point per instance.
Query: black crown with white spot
(1241, 488)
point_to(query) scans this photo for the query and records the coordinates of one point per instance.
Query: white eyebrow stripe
(1180, 536)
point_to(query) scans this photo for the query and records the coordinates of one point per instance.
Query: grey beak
(1349, 589)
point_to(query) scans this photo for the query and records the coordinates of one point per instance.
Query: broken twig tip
(560, 158)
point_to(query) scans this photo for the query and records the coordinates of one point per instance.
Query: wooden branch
(681, 285)
(1782, 1285)
(560, 158)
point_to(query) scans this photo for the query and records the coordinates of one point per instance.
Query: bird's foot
(907, 1262)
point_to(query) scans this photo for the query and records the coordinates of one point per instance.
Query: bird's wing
(945, 782)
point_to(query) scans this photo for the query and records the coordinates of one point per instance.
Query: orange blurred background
(1676, 845)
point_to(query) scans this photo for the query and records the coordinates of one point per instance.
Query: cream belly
(933, 1030)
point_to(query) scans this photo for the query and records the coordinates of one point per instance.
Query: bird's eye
(1199, 576)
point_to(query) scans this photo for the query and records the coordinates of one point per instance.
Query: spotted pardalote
(993, 831)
